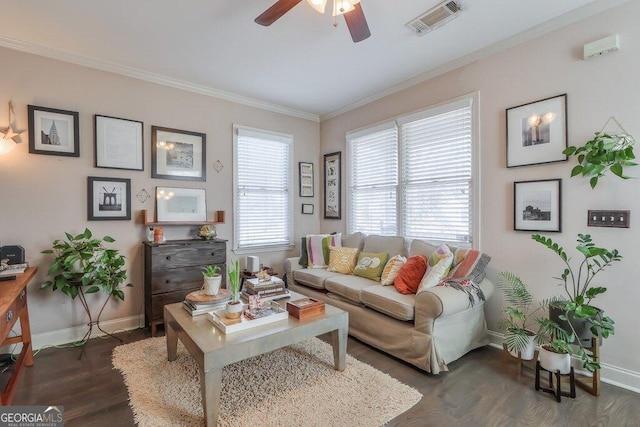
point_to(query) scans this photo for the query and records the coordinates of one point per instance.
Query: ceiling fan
(351, 9)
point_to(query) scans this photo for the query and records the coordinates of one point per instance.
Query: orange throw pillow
(410, 275)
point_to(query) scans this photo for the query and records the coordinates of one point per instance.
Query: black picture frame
(332, 185)
(537, 205)
(537, 132)
(53, 132)
(178, 154)
(118, 143)
(307, 208)
(108, 199)
(306, 179)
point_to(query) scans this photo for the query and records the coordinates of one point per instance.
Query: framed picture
(181, 204)
(332, 184)
(537, 132)
(178, 154)
(108, 199)
(306, 179)
(118, 143)
(53, 132)
(307, 208)
(537, 205)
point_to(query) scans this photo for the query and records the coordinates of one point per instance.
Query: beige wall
(43, 196)
(544, 67)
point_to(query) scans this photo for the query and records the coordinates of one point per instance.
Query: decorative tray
(228, 326)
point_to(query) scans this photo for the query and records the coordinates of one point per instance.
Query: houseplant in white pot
(575, 312)
(212, 280)
(234, 307)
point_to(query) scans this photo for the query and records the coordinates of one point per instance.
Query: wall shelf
(217, 219)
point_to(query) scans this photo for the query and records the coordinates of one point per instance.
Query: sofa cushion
(391, 269)
(370, 265)
(421, 247)
(387, 300)
(348, 287)
(353, 240)
(318, 248)
(313, 277)
(410, 275)
(342, 260)
(393, 245)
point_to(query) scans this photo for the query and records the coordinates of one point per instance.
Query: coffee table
(213, 350)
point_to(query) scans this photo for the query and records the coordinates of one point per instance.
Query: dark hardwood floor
(481, 389)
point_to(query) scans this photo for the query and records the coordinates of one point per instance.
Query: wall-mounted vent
(435, 17)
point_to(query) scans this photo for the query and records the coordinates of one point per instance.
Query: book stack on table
(197, 302)
(268, 290)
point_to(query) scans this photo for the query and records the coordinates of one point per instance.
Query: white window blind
(436, 175)
(262, 189)
(418, 170)
(373, 181)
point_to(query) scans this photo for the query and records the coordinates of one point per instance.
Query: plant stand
(557, 390)
(520, 362)
(87, 336)
(591, 384)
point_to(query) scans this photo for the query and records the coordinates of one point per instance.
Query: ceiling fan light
(318, 5)
(340, 7)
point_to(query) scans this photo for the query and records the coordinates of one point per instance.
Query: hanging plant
(605, 152)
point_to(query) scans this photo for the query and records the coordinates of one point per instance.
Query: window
(413, 176)
(262, 190)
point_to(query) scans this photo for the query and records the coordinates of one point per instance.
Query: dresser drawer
(159, 301)
(12, 314)
(179, 278)
(177, 256)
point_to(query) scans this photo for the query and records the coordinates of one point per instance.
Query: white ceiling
(300, 65)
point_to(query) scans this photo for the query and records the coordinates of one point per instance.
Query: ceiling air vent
(435, 17)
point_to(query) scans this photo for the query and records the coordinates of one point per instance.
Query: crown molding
(135, 73)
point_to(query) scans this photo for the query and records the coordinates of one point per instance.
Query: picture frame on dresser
(537, 132)
(178, 154)
(118, 143)
(175, 204)
(537, 205)
(53, 131)
(108, 199)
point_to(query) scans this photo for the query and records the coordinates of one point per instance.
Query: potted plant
(234, 307)
(603, 153)
(212, 280)
(575, 309)
(83, 265)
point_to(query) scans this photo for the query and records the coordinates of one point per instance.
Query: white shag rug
(294, 385)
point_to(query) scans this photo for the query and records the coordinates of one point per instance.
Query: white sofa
(428, 330)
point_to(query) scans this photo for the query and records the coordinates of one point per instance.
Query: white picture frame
(118, 143)
(181, 204)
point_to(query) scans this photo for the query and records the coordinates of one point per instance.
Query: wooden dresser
(173, 269)
(13, 306)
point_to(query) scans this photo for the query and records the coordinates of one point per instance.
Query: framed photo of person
(178, 154)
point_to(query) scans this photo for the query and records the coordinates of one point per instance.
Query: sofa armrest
(290, 265)
(441, 301)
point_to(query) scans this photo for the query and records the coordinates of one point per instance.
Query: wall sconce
(8, 136)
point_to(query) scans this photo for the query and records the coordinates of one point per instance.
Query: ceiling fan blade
(357, 24)
(275, 12)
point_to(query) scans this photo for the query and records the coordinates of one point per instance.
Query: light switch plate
(618, 219)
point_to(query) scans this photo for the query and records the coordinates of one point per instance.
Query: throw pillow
(370, 265)
(342, 260)
(304, 256)
(436, 273)
(391, 269)
(470, 263)
(408, 278)
(318, 248)
(442, 251)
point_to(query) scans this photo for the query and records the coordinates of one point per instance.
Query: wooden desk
(13, 306)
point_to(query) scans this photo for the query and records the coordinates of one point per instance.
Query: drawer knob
(23, 294)
(168, 256)
(167, 281)
(9, 315)
(213, 254)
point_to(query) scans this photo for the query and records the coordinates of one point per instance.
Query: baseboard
(614, 375)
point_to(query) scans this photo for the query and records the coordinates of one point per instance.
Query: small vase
(234, 310)
(211, 285)
(552, 361)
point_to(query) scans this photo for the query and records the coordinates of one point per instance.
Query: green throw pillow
(304, 256)
(370, 265)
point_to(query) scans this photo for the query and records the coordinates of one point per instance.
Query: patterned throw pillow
(470, 263)
(342, 260)
(318, 248)
(436, 273)
(408, 278)
(442, 251)
(391, 269)
(370, 265)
